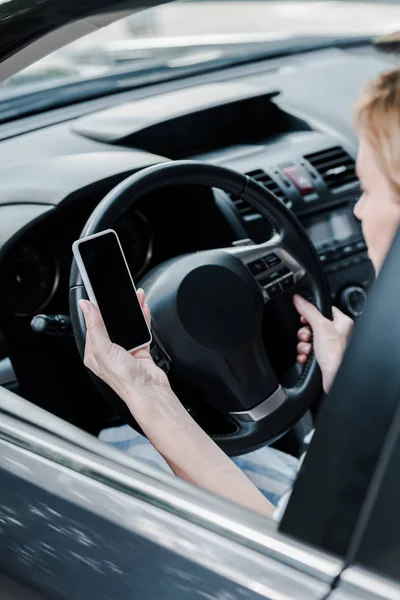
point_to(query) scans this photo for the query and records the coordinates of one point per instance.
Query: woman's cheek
(379, 237)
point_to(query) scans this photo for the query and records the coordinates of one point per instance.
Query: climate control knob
(353, 299)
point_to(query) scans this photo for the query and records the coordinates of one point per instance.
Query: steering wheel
(207, 307)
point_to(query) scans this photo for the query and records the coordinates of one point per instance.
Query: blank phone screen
(114, 291)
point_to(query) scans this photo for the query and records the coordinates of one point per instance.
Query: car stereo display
(335, 226)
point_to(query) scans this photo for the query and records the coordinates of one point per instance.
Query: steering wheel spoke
(264, 409)
(275, 268)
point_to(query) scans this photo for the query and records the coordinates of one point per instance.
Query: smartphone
(109, 285)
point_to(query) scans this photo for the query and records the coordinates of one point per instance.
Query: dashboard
(36, 266)
(285, 122)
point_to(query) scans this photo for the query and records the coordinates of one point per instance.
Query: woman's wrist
(329, 373)
(133, 386)
(151, 403)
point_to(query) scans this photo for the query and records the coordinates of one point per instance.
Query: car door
(82, 520)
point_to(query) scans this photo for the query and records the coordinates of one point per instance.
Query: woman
(189, 452)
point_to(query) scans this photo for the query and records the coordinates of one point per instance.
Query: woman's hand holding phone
(131, 375)
(145, 388)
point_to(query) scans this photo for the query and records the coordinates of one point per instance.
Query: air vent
(247, 212)
(335, 166)
(261, 177)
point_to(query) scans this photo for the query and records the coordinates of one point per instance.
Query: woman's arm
(188, 450)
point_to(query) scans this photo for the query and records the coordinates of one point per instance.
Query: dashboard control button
(354, 299)
(348, 249)
(336, 254)
(361, 245)
(323, 258)
(332, 269)
(301, 179)
(271, 260)
(331, 255)
(364, 257)
(257, 266)
(311, 197)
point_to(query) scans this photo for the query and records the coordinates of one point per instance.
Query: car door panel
(67, 534)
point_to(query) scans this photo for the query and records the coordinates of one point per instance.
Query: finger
(307, 310)
(96, 330)
(301, 358)
(142, 297)
(147, 315)
(89, 358)
(303, 348)
(304, 334)
(144, 352)
(303, 320)
(337, 314)
(340, 317)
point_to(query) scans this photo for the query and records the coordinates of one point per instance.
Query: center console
(338, 239)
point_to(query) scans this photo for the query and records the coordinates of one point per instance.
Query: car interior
(216, 158)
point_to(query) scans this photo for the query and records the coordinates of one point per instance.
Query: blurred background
(192, 32)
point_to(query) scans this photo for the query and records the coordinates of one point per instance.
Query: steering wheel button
(271, 260)
(274, 290)
(287, 282)
(273, 276)
(257, 266)
(269, 278)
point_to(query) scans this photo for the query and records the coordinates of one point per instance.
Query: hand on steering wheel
(121, 370)
(329, 338)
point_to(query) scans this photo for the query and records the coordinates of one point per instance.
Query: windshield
(188, 35)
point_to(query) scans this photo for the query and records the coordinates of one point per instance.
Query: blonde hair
(377, 119)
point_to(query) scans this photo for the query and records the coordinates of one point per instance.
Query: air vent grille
(247, 211)
(335, 166)
(262, 177)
